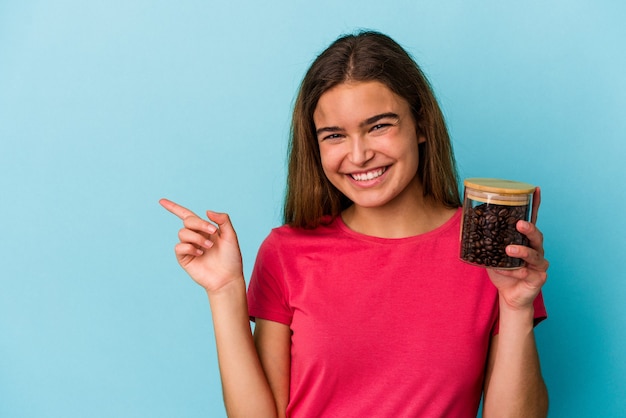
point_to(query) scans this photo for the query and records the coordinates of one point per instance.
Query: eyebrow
(366, 122)
(376, 118)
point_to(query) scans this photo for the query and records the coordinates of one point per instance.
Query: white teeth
(369, 175)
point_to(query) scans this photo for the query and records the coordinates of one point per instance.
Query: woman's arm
(514, 386)
(245, 387)
(209, 253)
(273, 343)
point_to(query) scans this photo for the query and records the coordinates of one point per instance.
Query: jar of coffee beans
(491, 209)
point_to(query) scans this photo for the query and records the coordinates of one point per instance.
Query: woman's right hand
(208, 252)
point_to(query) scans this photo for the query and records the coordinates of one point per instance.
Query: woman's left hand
(519, 288)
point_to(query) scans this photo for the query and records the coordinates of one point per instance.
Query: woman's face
(368, 143)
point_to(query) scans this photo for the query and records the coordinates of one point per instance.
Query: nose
(360, 151)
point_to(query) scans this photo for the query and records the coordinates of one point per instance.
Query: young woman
(361, 303)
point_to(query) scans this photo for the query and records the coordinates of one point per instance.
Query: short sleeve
(540, 309)
(267, 292)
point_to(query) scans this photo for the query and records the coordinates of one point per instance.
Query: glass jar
(491, 209)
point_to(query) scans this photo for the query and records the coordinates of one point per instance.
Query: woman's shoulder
(290, 233)
(286, 241)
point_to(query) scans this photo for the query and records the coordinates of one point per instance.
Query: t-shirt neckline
(341, 225)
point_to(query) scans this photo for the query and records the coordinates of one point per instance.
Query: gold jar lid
(499, 186)
(498, 191)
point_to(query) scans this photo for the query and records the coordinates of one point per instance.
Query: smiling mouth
(368, 175)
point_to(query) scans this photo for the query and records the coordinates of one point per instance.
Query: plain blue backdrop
(107, 106)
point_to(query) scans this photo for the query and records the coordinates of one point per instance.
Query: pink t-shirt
(381, 327)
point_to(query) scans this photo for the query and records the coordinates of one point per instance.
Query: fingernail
(513, 250)
(208, 243)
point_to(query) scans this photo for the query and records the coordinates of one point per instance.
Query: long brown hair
(365, 56)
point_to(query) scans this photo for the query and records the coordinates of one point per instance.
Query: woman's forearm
(514, 385)
(245, 387)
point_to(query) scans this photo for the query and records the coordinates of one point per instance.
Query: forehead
(353, 102)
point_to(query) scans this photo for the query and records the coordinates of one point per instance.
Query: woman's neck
(416, 217)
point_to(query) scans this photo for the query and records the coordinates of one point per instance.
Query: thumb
(222, 220)
(536, 203)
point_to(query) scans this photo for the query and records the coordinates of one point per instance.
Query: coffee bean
(487, 230)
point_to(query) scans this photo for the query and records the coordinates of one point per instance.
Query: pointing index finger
(176, 209)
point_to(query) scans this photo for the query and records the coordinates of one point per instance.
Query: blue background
(107, 106)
